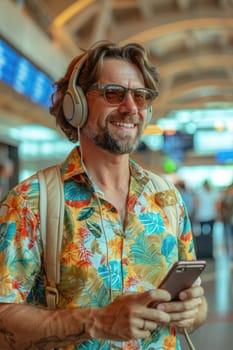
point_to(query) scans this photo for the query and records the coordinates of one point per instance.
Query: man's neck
(105, 169)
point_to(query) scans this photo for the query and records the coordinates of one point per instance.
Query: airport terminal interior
(190, 138)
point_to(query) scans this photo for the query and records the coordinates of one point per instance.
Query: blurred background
(190, 139)
(191, 43)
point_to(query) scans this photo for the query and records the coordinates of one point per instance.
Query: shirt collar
(72, 166)
(139, 174)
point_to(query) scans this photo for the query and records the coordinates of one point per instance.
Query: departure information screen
(23, 76)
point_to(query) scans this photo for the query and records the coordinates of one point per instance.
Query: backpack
(52, 215)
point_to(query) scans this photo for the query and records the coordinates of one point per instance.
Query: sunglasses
(116, 94)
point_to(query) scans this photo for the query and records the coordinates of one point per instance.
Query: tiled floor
(217, 332)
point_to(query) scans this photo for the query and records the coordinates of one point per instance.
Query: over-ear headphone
(74, 101)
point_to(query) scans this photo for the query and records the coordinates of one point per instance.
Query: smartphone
(181, 276)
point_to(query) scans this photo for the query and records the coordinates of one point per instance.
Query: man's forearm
(24, 327)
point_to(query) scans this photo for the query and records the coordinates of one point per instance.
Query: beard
(107, 141)
(111, 144)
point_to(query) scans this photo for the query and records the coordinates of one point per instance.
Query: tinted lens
(142, 97)
(114, 94)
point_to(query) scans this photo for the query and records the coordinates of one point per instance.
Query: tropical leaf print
(83, 287)
(5, 282)
(186, 249)
(31, 191)
(96, 294)
(170, 342)
(95, 249)
(92, 344)
(144, 256)
(85, 214)
(72, 282)
(7, 231)
(76, 192)
(84, 255)
(94, 229)
(131, 202)
(155, 335)
(37, 294)
(115, 246)
(76, 254)
(24, 188)
(168, 245)
(152, 222)
(69, 224)
(143, 252)
(115, 272)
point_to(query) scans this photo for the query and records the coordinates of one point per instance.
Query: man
(117, 240)
(206, 202)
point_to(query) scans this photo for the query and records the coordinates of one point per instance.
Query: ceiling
(190, 41)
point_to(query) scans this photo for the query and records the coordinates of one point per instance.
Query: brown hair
(90, 71)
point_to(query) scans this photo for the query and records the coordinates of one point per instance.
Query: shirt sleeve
(20, 246)
(185, 235)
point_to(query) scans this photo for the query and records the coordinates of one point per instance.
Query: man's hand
(129, 317)
(189, 311)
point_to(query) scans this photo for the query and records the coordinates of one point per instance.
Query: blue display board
(177, 144)
(23, 76)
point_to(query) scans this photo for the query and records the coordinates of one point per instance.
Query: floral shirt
(100, 258)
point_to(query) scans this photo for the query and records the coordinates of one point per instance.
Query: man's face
(116, 129)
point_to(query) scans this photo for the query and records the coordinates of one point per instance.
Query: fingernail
(160, 307)
(183, 295)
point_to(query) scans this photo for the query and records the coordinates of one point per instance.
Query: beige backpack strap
(51, 217)
(166, 196)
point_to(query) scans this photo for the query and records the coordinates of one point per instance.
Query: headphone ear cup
(74, 102)
(149, 115)
(75, 107)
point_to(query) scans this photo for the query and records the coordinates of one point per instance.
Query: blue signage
(224, 156)
(23, 76)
